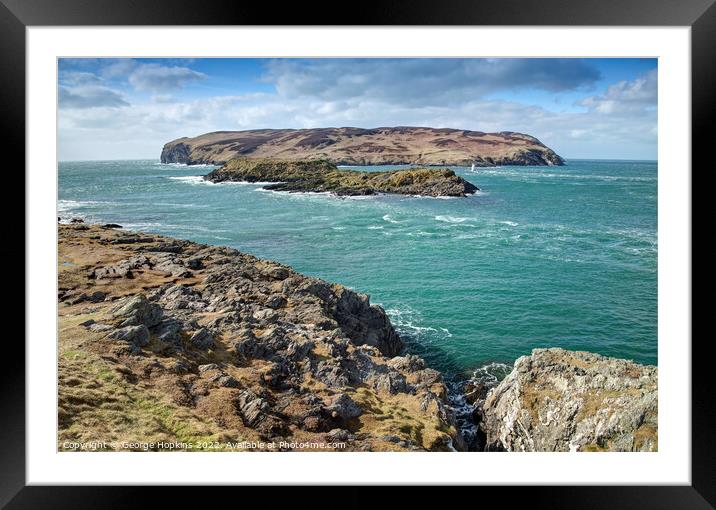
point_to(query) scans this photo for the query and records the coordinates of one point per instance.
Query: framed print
(441, 245)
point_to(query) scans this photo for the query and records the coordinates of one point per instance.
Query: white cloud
(79, 78)
(158, 78)
(142, 130)
(620, 123)
(90, 96)
(118, 68)
(626, 97)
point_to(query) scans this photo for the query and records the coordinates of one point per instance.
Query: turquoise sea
(540, 257)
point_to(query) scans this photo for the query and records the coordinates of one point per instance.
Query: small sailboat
(473, 167)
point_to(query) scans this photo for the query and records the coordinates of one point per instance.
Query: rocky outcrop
(199, 343)
(559, 400)
(323, 176)
(354, 146)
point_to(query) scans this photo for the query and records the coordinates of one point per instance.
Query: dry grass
(108, 394)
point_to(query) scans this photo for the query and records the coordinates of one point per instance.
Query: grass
(321, 175)
(399, 415)
(109, 395)
(95, 400)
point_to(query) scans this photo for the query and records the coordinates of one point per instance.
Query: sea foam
(452, 219)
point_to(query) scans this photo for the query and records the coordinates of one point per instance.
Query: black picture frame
(700, 15)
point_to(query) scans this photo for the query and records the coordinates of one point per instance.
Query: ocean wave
(244, 183)
(530, 174)
(452, 219)
(199, 180)
(491, 373)
(428, 197)
(376, 227)
(422, 233)
(301, 195)
(390, 219)
(184, 165)
(358, 197)
(409, 322)
(71, 205)
(145, 225)
(510, 223)
(191, 179)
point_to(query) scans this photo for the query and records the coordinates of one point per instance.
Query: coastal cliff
(560, 400)
(165, 340)
(354, 146)
(323, 176)
(168, 340)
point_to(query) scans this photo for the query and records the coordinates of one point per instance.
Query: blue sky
(582, 108)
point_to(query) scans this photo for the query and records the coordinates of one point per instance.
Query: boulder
(138, 310)
(391, 382)
(178, 297)
(252, 408)
(276, 272)
(343, 407)
(202, 339)
(169, 331)
(560, 400)
(276, 301)
(364, 323)
(135, 335)
(194, 263)
(407, 363)
(266, 316)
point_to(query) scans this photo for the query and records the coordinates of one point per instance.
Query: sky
(581, 108)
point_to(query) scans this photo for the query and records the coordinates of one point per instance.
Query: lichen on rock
(560, 400)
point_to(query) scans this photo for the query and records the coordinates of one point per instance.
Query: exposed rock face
(205, 343)
(559, 400)
(323, 176)
(354, 146)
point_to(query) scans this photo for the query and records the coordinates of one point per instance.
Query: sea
(539, 257)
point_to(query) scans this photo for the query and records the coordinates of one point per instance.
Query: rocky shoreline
(168, 340)
(220, 345)
(321, 176)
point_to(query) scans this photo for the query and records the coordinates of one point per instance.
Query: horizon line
(158, 160)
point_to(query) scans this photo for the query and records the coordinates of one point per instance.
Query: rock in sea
(560, 400)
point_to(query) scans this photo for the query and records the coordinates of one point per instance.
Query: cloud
(424, 81)
(118, 68)
(619, 122)
(79, 78)
(627, 97)
(158, 78)
(90, 96)
(144, 128)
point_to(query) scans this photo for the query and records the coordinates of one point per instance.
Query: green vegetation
(323, 176)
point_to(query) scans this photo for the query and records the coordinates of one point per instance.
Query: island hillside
(354, 146)
(323, 176)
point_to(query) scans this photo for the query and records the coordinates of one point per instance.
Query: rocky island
(324, 176)
(354, 146)
(168, 341)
